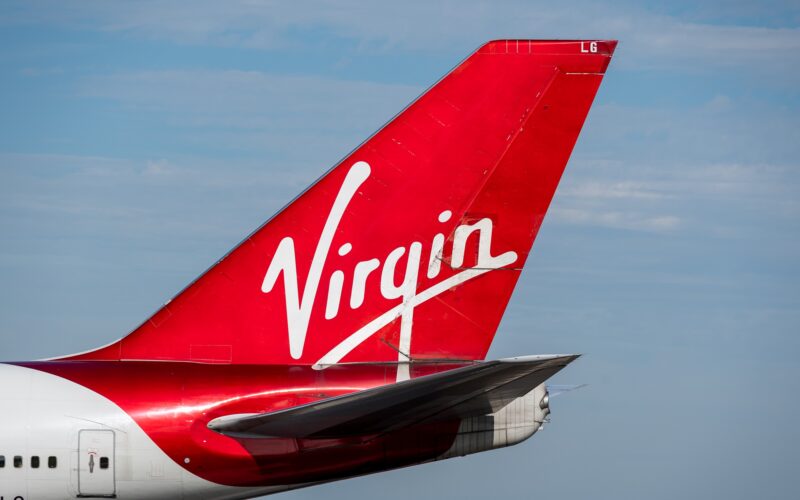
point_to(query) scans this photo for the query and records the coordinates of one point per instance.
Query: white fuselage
(61, 440)
(47, 416)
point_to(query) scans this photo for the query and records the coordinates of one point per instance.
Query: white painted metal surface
(47, 416)
(510, 425)
(96, 463)
(42, 415)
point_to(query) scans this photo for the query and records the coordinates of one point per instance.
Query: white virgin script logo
(298, 308)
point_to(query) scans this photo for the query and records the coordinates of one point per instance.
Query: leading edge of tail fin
(409, 248)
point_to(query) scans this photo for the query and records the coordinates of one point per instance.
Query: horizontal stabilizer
(478, 389)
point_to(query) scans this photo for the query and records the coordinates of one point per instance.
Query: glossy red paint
(173, 403)
(488, 141)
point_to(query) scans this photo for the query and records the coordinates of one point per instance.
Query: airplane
(348, 334)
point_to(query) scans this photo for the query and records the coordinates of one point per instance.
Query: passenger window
(34, 462)
(2, 461)
(104, 462)
(17, 461)
(52, 462)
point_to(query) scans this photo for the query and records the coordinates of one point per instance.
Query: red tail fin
(409, 248)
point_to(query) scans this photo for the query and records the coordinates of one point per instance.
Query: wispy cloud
(679, 197)
(618, 220)
(620, 190)
(649, 38)
(142, 201)
(248, 99)
(642, 189)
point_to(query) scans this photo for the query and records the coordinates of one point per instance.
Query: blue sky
(139, 141)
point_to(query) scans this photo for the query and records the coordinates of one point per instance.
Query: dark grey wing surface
(478, 389)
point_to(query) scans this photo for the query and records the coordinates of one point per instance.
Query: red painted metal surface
(173, 403)
(489, 141)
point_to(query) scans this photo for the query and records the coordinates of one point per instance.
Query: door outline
(113, 458)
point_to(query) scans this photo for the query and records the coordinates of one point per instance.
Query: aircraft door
(96, 464)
